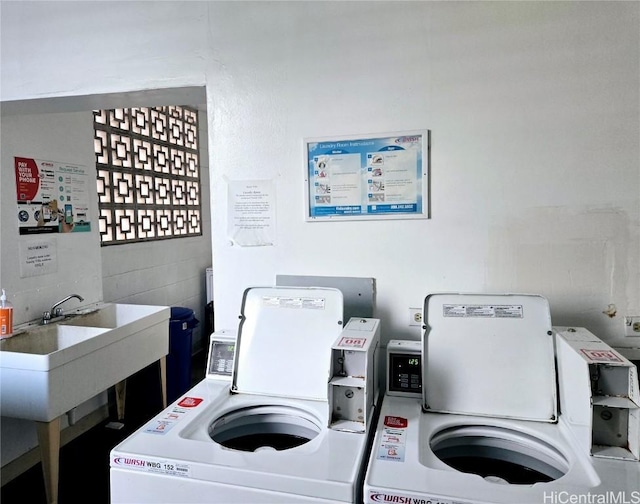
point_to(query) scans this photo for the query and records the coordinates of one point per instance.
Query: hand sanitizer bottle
(6, 316)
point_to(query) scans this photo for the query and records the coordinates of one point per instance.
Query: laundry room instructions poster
(52, 197)
(383, 176)
(251, 212)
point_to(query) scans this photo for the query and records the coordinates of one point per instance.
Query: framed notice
(383, 176)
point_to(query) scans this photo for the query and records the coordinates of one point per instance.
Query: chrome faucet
(55, 311)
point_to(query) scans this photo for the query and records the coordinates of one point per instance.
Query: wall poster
(251, 212)
(383, 176)
(52, 197)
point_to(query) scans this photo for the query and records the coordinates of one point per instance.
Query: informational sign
(251, 213)
(52, 197)
(384, 176)
(38, 257)
(482, 311)
(393, 439)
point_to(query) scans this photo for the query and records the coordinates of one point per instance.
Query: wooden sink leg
(121, 389)
(163, 380)
(49, 441)
(121, 394)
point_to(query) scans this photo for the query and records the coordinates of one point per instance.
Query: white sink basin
(48, 370)
(45, 347)
(111, 316)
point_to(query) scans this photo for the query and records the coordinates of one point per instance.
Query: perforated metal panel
(147, 173)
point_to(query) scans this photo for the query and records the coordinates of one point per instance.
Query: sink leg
(49, 440)
(163, 380)
(121, 394)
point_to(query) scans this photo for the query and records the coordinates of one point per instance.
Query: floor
(84, 462)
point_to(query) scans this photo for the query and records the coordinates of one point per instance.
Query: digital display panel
(221, 361)
(405, 373)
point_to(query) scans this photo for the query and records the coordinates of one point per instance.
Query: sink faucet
(58, 312)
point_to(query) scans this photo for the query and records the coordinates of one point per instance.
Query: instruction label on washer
(482, 311)
(393, 439)
(294, 302)
(164, 422)
(152, 465)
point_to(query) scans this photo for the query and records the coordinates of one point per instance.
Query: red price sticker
(601, 355)
(190, 402)
(352, 342)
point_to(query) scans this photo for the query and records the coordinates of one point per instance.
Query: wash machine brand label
(152, 465)
(482, 311)
(393, 439)
(393, 498)
(600, 355)
(190, 402)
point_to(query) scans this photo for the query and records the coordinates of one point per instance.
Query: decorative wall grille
(148, 173)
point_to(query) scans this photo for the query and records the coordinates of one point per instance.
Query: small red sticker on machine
(601, 355)
(190, 402)
(396, 422)
(352, 342)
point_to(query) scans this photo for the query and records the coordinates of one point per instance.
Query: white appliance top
(284, 341)
(489, 355)
(325, 469)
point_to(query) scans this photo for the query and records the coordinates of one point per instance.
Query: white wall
(534, 114)
(65, 138)
(168, 272)
(533, 108)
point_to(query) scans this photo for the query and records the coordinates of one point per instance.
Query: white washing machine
(291, 425)
(498, 419)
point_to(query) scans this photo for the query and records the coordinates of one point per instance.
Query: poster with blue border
(382, 176)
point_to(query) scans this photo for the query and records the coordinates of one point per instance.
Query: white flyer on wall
(251, 212)
(38, 257)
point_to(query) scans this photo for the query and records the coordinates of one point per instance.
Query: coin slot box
(353, 384)
(610, 423)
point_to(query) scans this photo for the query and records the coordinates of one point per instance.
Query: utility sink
(46, 370)
(45, 347)
(111, 316)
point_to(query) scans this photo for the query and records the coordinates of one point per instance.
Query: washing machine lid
(489, 355)
(284, 341)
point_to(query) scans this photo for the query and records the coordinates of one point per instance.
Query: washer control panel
(222, 348)
(404, 368)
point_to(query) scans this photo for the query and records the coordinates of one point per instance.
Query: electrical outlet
(632, 325)
(415, 316)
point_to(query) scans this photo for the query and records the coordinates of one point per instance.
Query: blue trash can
(181, 326)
